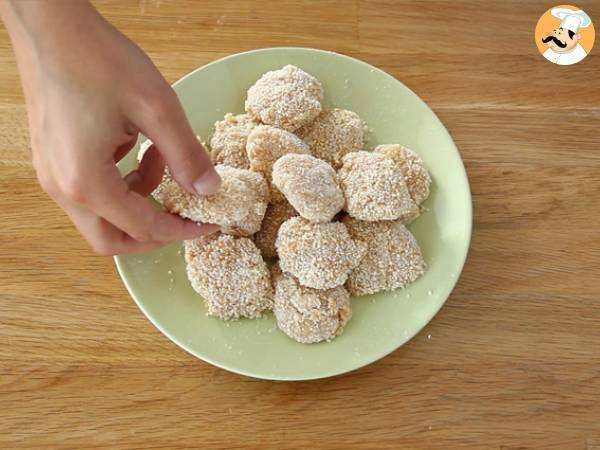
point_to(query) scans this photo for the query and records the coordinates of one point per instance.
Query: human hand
(89, 91)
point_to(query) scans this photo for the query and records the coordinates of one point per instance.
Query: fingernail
(208, 184)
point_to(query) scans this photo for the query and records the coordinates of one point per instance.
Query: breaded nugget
(287, 98)
(276, 214)
(310, 315)
(310, 185)
(231, 276)
(393, 258)
(266, 144)
(333, 134)
(374, 188)
(416, 175)
(228, 142)
(238, 207)
(320, 255)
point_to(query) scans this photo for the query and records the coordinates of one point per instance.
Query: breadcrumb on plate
(238, 207)
(374, 188)
(231, 276)
(310, 315)
(333, 134)
(320, 255)
(228, 141)
(287, 98)
(266, 144)
(393, 258)
(310, 185)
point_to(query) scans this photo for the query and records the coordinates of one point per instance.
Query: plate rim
(385, 352)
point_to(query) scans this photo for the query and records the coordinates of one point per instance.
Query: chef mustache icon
(556, 41)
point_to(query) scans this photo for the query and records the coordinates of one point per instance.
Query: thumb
(164, 122)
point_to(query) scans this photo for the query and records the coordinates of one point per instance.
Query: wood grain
(511, 362)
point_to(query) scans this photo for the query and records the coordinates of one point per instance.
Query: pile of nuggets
(299, 190)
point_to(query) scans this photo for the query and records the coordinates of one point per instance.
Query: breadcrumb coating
(310, 315)
(276, 214)
(266, 144)
(333, 134)
(374, 188)
(413, 168)
(320, 255)
(238, 207)
(287, 98)
(310, 185)
(231, 276)
(228, 142)
(393, 258)
(275, 272)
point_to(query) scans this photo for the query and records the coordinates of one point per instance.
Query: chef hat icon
(571, 20)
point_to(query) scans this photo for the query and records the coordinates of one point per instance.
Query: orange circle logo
(565, 35)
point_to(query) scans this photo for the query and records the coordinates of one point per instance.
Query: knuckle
(166, 227)
(142, 232)
(73, 186)
(159, 105)
(142, 236)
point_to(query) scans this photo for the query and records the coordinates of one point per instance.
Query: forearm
(40, 21)
(49, 32)
(89, 91)
(66, 41)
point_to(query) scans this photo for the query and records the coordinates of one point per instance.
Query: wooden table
(512, 361)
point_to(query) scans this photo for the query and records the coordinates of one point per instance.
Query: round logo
(565, 35)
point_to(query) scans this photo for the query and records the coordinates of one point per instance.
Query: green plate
(381, 323)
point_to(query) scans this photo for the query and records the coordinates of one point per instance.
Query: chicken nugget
(413, 168)
(228, 142)
(238, 207)
(310, 185)
(333, 134)
(276, 214)
(287, 98)
(375, 188)
(320, 255)
(231, 276)
(266, 144)
(393, 258)
(310, 315)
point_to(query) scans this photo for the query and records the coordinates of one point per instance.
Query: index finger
(112, 199)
